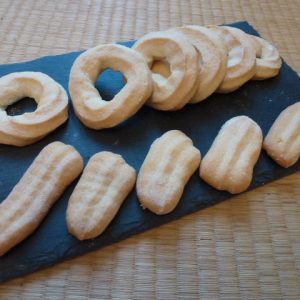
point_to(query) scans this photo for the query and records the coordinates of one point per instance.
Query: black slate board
(51, 243)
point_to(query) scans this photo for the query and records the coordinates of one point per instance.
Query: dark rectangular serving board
(52, 243)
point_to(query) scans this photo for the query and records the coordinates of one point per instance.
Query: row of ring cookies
(168, 69)
(165, 69)
(108, 178)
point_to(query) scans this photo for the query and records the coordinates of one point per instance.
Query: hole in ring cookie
(161, 67)
(25, 105)
(116, 82)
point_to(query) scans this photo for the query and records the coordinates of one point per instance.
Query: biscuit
(105, 183)
(228, 164)
(170, 162)
(89, 107)
(174, 92)
(51, 111)
(282, 142)
(268, 61)
(43, 183)
(241, 61)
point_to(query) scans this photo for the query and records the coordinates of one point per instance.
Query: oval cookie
(282, 142)
(229, 163)
(170, 162)
(23, 210)
(105, 183)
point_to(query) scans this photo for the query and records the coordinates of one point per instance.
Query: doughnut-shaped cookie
(169, 164)
(282, 142)
(241, 57)
(268, 60)
(228, 164)
(174, 92)
(105, 183)
(51, 112)
(26, 206)
(89, 107)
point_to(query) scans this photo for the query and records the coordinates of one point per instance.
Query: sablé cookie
(282, 142)
(212, 56)
(170, 162)
(25, 207)
(268, 60)
(241, 57)
(228, 164)
(51, 111)
(90, 108)
(174, 92)
(105, 183)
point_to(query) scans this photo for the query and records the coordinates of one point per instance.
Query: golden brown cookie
(51, 112)
(105, 183)
(26, 206)
(90, 108)
(228, 164)
(282, 142)
(169, 164)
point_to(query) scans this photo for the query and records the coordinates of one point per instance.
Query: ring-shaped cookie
(212, 59)
(174, 92)
(241, 58)
(268, 60)
(51, 111)
(89, 107)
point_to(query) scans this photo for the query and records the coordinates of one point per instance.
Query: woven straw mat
(245, 248)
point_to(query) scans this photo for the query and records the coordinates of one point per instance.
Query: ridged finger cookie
(229, 163)
(105, 183)
(282, 142)
(23, 210)
(170, 162)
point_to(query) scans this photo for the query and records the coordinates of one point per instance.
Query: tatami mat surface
(246, 248)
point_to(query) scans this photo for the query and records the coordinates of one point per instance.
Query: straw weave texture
(246, 248)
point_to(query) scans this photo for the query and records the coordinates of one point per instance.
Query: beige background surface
(246, 248)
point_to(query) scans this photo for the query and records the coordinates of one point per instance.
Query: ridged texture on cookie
(268, 60)
(228, 164)
(23, 210)
(241, 57)
(102, 188)
(282, 142)
(174, 92)
(170, 162)
(51, 111)
(212, 59)
(89, 107)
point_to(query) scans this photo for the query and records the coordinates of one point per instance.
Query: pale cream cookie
(175, 91)
(282, 142)
(228, 164)
(241, 63)
(51, 112)
(105, 183)
(169, 164)
(43, 183)
(90, 108)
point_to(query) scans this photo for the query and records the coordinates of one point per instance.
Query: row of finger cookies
(107, 179)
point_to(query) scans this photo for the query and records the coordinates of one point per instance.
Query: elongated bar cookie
(103, 186)
(170, 162)
(229, 163)
(23, 210)
(282, 142)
